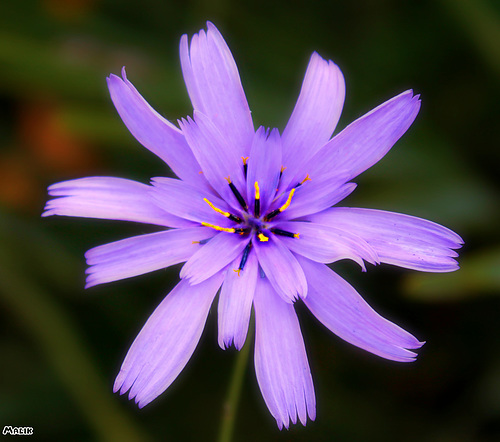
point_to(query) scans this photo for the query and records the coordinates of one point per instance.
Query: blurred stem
(231, 403)
(55, 334)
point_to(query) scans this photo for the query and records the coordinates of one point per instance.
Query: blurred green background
(61, 346)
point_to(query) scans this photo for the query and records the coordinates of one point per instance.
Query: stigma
(226, 214)
(244, 258)
(238, 230)
(285, 206)
(257, 200)
(237, 194)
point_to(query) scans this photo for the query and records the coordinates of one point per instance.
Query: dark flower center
(252, 222)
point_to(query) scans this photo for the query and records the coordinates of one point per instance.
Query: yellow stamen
(237, 271)
(263, 237)
(195, 242)
(296, 235)
(219, 228)
(282, 169)
(257, 191)
(305, 179)
(228, 179)
(226, 214)
(245, 159)
(288, 201)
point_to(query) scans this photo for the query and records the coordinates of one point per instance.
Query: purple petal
(281, 268)
(218, 159)
(152, 130)
(213, 257)
(186, 201)
(316, 113)
(326, 243)
(314, 196)
(398, 239)
(342, 310)
(214, 86)
(167, 341)
(281, 362)
(108, 198)
(235, 302)
(142, 254)
(365, 141)
(264, 166)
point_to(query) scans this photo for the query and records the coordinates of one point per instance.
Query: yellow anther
(257, 191)
(288, 201)
(305, 179)
(245, 159)
(195, 242)
(237, 271)
(296, 235)
(263, 237)
(282, 169)
(228, 179)
(219, 228)
(226, 214)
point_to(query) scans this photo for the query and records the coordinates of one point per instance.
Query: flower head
(252, 214)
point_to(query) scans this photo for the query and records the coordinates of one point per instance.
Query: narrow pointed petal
(142, 254)
(152, 130)
(214, 86)
(235, 302)
(213, 257)
(281, 362)
(365, 141)
(316, 113)
(264, 166)
(402, 240)
(167, 341)
(326, 243)
(314, 196)
(281, 268)
(186, 201)
(218, 159)
(108, 198)
(342, 310)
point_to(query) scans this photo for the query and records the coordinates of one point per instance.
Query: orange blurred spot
(68, 10)
(52, 144)
(19, 187)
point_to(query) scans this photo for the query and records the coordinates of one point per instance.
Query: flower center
(253, 223)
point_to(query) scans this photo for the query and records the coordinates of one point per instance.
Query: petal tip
(113, 80)
(90, 284)
(184, 45)
(282, 424)
(118, 385)
(141, 404)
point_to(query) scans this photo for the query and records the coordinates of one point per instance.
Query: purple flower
(251, 214)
